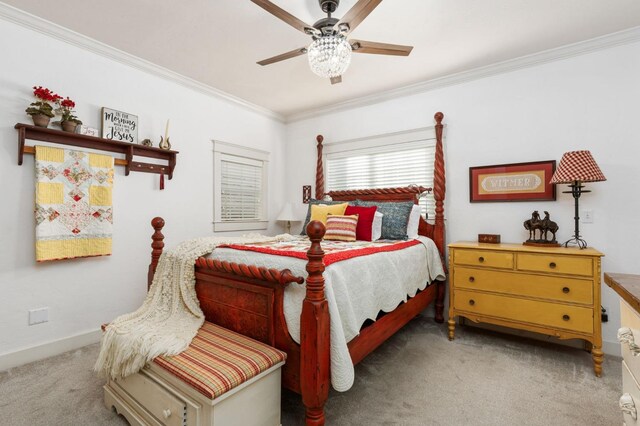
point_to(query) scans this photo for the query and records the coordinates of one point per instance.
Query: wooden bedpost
(157, 245)
(439, 193)
(319, 170)
(314, 333)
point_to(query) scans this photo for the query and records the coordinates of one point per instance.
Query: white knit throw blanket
(170, 316)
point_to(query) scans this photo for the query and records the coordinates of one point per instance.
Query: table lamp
(287, 215)
(577, 167)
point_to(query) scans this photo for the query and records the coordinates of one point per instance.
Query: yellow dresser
(628, 287)
(549, 290)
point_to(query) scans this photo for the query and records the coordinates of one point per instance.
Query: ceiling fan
(330, 52)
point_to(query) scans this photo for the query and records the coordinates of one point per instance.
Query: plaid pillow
(341, 228)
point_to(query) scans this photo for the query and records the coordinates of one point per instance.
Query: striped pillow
(341, 228)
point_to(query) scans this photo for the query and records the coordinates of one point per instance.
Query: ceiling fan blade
(361, 46)
(284, 16)
(356, 15)
(336, 80)
(284, 56)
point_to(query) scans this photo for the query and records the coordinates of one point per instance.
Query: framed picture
(512, 182)
(119, 126)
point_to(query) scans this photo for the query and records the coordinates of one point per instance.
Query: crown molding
(35, 23)
(627, 36)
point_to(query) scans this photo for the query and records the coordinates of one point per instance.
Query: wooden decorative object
(283, 277)
(314, 333)
(249, 300)
(489, 238)
(306, 194)
(319, 170)
(157, 246)
(26, 131)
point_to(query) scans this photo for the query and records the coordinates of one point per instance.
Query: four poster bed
(249, 299)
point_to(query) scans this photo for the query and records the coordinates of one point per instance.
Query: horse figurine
(532, 224)
(549, 225)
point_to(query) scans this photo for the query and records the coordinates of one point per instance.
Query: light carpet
(417, 377)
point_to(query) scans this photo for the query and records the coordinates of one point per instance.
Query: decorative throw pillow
(376, 228)
(341, 228)
(414, 222)
(308, 218)
(396, 217)
(365, 220)
(320, 211)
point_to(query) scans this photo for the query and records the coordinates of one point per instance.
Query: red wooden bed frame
(249, 299)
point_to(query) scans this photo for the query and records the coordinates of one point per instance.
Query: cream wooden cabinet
(549, 290)
(628, 287)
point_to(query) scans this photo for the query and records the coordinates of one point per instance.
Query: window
(240, 187)
(384, 161)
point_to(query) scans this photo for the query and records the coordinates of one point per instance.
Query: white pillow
(414, 222)
(376, 227)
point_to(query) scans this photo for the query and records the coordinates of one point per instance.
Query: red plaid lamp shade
(577, 166)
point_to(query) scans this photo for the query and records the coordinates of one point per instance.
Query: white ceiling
(217, 42)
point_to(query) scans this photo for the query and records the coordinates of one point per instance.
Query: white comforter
(356, 290)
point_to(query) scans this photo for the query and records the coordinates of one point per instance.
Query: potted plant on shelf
(68, 121)
(41, 111)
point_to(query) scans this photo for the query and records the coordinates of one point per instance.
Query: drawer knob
(481, 259)
(566, 317)
(625, 335)
(166, 413)
(472, 302)
(471, 279)
(627, 406)
(552, 265)
(565, 290)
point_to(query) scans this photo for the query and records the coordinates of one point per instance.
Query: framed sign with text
(119, 126)
(512, 182)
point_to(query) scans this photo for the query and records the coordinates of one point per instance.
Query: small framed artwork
(512, 182)
(119, 126)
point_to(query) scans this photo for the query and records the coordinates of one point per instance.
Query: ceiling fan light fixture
(329, 56)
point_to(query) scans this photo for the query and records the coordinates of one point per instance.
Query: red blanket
(335, 251)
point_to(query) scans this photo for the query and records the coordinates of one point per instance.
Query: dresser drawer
(164, 406)
(548, 314)
(630, 396)
(630, 319)
(544, 287)
(569, 265)
(492, 259)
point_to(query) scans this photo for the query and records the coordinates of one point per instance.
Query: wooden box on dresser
(549, 290)
(628, 287)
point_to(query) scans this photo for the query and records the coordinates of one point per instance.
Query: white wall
(586, 102)
(84, 293)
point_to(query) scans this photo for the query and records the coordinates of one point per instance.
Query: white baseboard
(49, 349)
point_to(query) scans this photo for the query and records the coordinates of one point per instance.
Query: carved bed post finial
(314, 333)
(157, 245)
(439, 194)
(319, 170)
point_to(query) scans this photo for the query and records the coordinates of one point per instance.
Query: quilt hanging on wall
(74, 212)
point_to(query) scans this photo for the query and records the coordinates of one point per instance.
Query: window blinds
(395, 165)
(241, 189)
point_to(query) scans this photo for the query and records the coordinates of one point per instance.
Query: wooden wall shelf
(27, 131)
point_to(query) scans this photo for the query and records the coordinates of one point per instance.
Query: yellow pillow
(320, 211)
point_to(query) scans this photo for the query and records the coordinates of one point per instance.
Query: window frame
(242, 154)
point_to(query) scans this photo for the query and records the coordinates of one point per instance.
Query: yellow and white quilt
(74, 210)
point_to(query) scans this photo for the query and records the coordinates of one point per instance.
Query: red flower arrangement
(42, 105)
(65, 109)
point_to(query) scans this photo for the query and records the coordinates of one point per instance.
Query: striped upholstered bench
(212, 383)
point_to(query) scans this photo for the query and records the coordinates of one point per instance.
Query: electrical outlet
(587, 216)
(38, 316)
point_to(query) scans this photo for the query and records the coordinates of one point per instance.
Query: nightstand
(549, 290)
